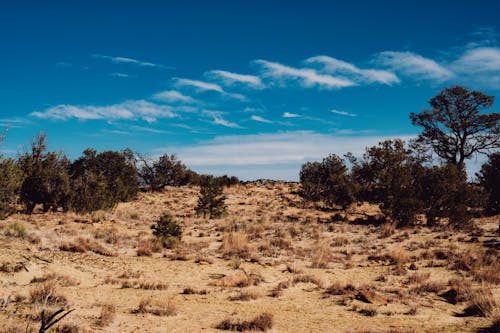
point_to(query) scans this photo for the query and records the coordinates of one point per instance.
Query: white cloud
(229, 78)
(333, 65)
(125, 60)
(173, 96)
(206, 86)
(122, 75)
(306, 77)
(343, 113)
(128, 110)
(148, 129)
(290, 115)
(480, 65)
(296, 146)
(219, 120)
(260, 119)
(414, 65)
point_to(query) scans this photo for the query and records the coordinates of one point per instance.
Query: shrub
(16, 229)
(46, 179)
(100, 181)
(167, 230)
(260, 323)
(327, 181)
(211, 199)
(386, 176)
(489, 178)
(10, 181)
(166, 171)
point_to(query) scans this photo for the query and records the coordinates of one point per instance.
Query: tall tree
(455, 127)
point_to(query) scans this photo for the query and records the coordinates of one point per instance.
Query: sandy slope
(279, 239)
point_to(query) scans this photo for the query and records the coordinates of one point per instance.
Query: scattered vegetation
(167, 231)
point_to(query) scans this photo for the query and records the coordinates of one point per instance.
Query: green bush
(211, 201)
(10, 181)
(100, 181)
(167, 230)
(46, 179)
(327, 181)
(489, 178)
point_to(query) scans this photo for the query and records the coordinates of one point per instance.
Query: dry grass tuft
(46, 294)
(64, 280)
(108, 312)
(260, 323)
(304, 278)
(481, 304)
(145, 285)
(239, 279)
(245, 295)
(82, 245)
(235, 244)
(157, 307)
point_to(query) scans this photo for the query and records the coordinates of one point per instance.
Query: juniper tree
(211, 201)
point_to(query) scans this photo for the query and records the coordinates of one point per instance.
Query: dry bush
(429, 287)
(304, 278)
(339, 241)
(260, 323)
(192, 291)
(245, 295)
(460, 291)
(398, 257)
(145, 285)
(419, 277)
(239, 279)
(482, 303)
(16, 229)
(64, 280)
(9, 267)
(278, 290)
(157, 307)
(110, 235)
(235, 244)
(107, 315)
(130, 274)
(337, 288)
(46, 294)
(321, 255)
(82, 245)
(387, 229)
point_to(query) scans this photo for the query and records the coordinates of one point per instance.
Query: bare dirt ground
(271, 255)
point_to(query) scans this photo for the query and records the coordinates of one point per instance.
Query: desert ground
(272, 263)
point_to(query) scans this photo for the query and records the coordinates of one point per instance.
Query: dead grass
(64, 280)
(260, 323)
(235, 244)
(108, 312)
(482, 304)
(82, 245)
(245, 295)
(164, 307)
(47, 294)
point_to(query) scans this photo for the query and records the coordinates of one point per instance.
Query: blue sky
(248, 88)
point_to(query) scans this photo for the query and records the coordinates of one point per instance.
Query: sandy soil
(271, 253)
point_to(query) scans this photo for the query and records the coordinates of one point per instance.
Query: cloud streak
(201, 86)
(173, 96)
(229, 78)
(125, 60)
(306, 77)
(128, 110)
(414, 65)
(333, 65)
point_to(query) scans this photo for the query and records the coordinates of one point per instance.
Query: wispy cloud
(260, 119)
(125, 60)
(480, 65)
(333, 65)
(287, 147)
(201, 86)
(148, 129)
(122, 75)
(229, 78)
(414, 65)
(343, 113)
(173, 96)
(217, 119)
(128, 110)
(306, 77)
(290, 115)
